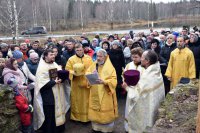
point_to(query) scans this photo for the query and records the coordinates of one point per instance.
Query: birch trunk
(16, 22)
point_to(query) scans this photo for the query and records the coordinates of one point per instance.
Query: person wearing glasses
(32, 63)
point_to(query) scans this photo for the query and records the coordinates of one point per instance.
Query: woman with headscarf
(13, 78)
(117, 58)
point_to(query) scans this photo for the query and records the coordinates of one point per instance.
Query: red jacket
(90, 52)
(21, 103)
(25, 56)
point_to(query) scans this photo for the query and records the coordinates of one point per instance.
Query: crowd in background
(26, 55)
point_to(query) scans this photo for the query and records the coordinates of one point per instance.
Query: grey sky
(156, 1)
(164, 1)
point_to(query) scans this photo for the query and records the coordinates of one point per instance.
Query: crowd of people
(162, 59)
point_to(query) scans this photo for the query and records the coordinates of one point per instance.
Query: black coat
(60, 60)
(166, 51)
(195, 48)
(47, 93)
(67, 54)
(118, 61)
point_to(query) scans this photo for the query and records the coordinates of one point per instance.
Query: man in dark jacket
(69, 49)
(36, 48)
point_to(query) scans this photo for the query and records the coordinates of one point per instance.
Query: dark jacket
(47, 93)
(39, 51)
(195, 48)
(60, 47)
(1, 76)
(32, 66)
(118, 61)
(166, 51)
(60, 60)
(67, 54)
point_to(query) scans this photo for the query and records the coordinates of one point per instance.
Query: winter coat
(21, 100)
(166, 51)
(22, 105)
(127, 55)
(1, 76)
(90, 52)
(8, 73)
(32, 67)
(26, 74)
(118, 61)
(60, 60)
(67, 54)
(195, 48)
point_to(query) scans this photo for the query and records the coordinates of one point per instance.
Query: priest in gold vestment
(181, 63)
(77, 66)
(103, 108)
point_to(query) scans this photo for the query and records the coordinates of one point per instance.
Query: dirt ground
(77, 127)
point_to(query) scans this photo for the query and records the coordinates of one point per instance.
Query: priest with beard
(103, 108)
(49, 97)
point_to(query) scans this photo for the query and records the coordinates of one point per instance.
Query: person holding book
(103, 108)
(49, 97)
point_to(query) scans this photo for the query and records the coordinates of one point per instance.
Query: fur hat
(85, 43)
(3, 45)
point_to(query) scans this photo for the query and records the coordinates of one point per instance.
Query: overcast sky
(165, 1)
(157, 1)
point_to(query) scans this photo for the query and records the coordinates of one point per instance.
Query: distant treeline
(73, 14)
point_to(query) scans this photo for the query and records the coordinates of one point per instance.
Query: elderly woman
(166, 50)
(169, 46)
(127, 51)
(117, 58)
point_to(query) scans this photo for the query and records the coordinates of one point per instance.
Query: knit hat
(17, 54)
(34, 55)
(95, 40)
(117, 43)
(3, 45)
(85, 43)
(31, 51)
(111, 36)
(27, 41)
(175, 33)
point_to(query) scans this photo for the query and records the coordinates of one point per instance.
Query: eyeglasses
(35, 59)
